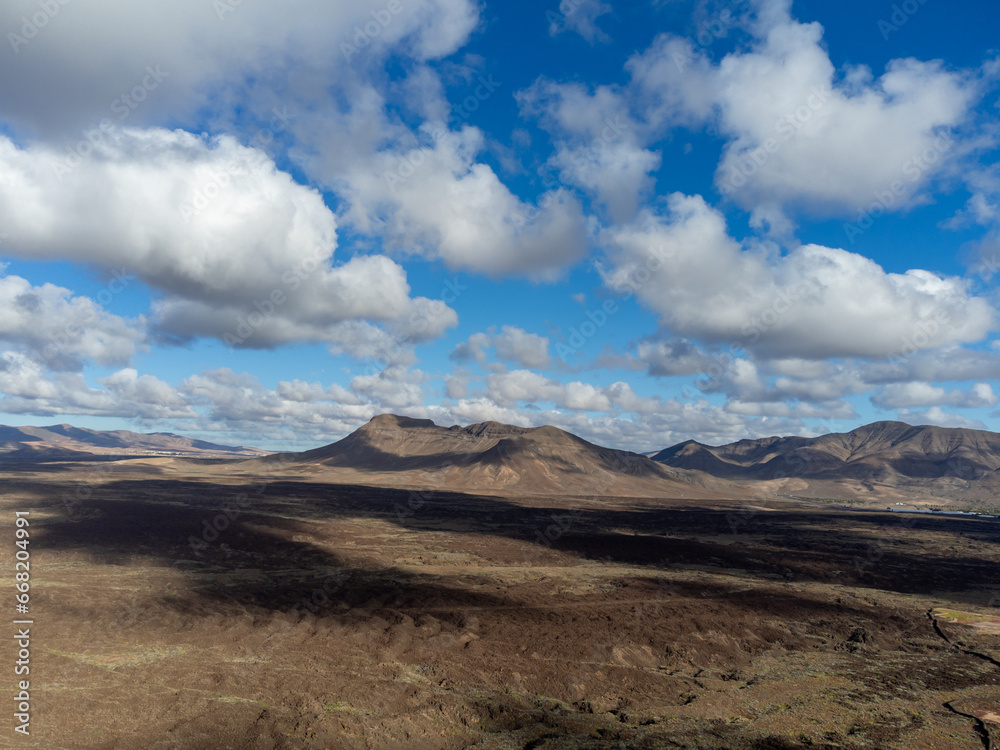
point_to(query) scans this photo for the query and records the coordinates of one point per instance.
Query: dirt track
(347, 617)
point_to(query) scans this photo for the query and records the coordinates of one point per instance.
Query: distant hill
(883, 459)
(65, 441)
(879, 463)
(400, 451)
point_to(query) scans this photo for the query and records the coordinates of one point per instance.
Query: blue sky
(643, 223)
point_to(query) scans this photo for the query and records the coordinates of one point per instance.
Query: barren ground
(350, 617)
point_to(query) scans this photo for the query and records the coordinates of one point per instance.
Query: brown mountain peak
(383, 421)
(487, 457)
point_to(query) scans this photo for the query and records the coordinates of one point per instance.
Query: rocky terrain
(490, 457)
(184, 604)
(883, 461)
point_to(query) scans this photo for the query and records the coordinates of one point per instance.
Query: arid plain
(184, 603)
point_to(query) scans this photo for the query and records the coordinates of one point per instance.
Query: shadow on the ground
(164, 518)
(277, 548)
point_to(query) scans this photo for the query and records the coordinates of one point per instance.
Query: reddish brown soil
(350, 617)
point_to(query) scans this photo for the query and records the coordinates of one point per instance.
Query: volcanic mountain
(64, 441)
(392, 450)
(882, 459)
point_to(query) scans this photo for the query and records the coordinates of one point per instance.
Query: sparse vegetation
(646, 623)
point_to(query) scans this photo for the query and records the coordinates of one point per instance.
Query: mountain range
(879, 462)
(63, 441)
(488, 457)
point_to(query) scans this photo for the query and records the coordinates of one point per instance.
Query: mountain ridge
(885, 460)
(487, 456)
(67, 441)
(882, 457)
